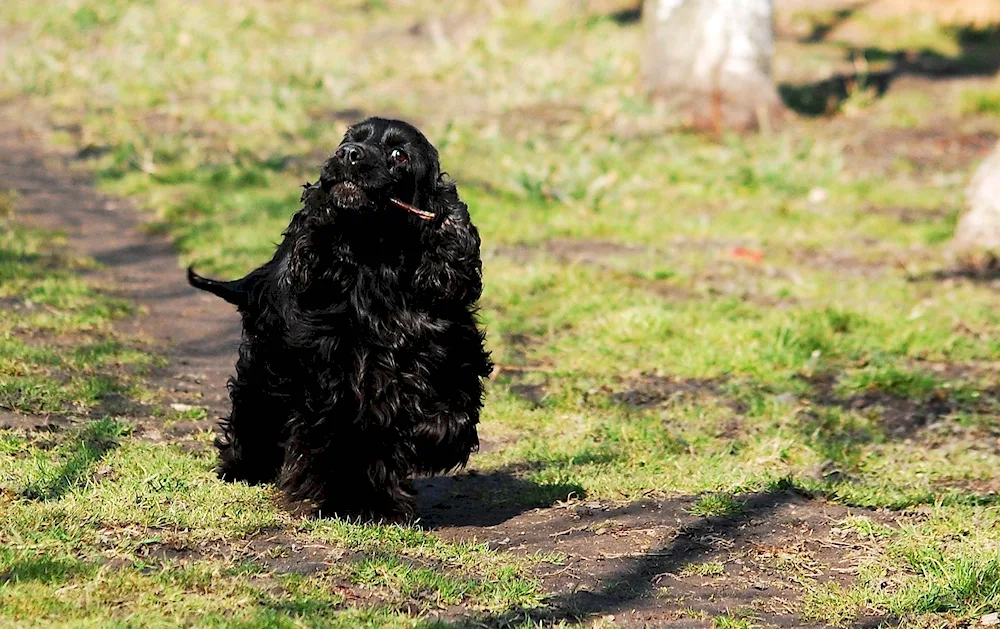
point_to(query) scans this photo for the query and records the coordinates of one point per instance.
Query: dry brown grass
(978, 13)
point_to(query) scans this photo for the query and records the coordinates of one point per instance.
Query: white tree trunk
(712, 59)
(978, 231)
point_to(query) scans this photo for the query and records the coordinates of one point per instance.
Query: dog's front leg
(354, 475)
(250, 447)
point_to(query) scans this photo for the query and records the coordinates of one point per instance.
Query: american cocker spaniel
(361, 362)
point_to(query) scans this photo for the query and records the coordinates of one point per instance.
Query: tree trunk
(977, 236)
(712, 60)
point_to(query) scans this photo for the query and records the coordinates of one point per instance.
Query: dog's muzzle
(349, 195)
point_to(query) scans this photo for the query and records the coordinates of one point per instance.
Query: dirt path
(194, 331)
(647, 564)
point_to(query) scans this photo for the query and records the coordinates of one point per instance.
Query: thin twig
(569, 531)
(640, 555)
(422, 214)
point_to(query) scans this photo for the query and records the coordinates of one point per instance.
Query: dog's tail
(235, 291)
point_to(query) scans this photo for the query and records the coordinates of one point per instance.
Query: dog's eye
(398, 156)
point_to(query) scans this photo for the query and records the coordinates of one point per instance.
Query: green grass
(981, 101)
(709, 569)
(714, 505)
(95, 508)
(58, 350)
(811, 358)
(946, 566)
(729, 622)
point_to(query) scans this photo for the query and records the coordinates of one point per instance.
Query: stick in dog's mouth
(422, 214)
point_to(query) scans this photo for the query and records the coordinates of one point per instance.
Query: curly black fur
(361, 362)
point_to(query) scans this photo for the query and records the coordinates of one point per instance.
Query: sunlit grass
(58, 352)
(735, 313)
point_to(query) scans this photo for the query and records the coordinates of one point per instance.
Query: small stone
(183, 408)
(990, 620)
(760, 586)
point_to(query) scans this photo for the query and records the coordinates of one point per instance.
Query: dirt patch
(735, 268)
(901, 417)
(986, 488)
(987, 273)
(592, 251)
(17, 421)
(654, 563)
(911, 216)
(277, 553)
(649, 390)
(272, 555)
(520, 370)
(597, 252)
(194, 331)
(266, 557)
(933, 149)
(473, 500)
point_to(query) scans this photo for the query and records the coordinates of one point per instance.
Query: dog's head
(381, 161)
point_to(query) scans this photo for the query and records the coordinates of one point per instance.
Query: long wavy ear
(456, 271)
(445, 203)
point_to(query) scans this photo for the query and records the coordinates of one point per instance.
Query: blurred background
(541, 108)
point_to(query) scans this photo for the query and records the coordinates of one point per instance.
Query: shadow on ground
(898, 416)
(979, 57)
(986, 273)
(473, 499)
(633, 562)
(43, 569)
(83, 452)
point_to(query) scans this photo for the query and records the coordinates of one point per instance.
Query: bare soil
(654, 564)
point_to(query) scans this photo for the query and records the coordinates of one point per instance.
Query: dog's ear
(445, 203)
(455, 270)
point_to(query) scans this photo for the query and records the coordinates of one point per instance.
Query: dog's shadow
(480, 499)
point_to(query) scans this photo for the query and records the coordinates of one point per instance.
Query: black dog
(361, 362)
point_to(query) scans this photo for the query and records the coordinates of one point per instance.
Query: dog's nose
(350, 153)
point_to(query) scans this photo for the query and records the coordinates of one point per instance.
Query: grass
(729, 622)
(817, 350)
(981, 101)
(58, 350)
(151, 525)
(943, 566)
(708, 569)
(714, 505)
